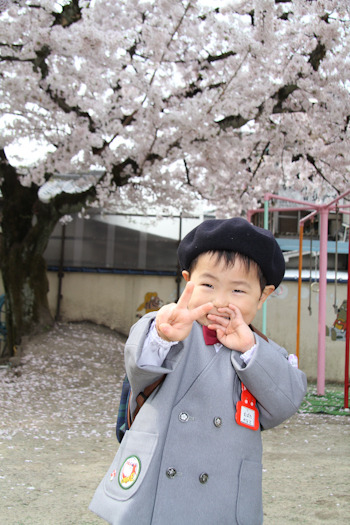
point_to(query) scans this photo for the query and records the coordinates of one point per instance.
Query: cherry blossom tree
(172, 102)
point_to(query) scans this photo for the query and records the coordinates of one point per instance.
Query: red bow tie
(210, 336)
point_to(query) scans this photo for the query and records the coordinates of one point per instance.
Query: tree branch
(39, 62)
(317, 55)
(281, 96)
(312, 161)
(265, 151)
(232, 121)
(71, 13)
(66, 108)
(120, 178)
(189, 182)
(222, 56)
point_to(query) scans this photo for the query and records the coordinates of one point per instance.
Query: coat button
(183, 417)
(171, 472)
(217, 422)
(203, 478)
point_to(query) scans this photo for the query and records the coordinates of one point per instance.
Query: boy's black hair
(230, 258)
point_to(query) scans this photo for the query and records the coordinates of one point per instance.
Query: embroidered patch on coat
(129, 472)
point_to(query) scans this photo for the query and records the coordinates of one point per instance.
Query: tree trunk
(27, 224)
(26, 286)
(26, 228)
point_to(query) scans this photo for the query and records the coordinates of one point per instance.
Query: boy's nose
(221, 300)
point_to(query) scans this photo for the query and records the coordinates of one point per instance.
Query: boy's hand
(231, 330)
(174, 321)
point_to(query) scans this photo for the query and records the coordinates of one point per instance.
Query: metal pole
(266, 226)
(347, 339)
(301, 235)
(178, 278)
(60, 274)
(301, 238)
(321, 350)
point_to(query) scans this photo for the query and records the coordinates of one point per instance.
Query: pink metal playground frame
(323, 211)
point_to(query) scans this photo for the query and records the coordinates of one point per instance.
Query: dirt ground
(57, 439)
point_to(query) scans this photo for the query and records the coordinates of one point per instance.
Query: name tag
(247, 415)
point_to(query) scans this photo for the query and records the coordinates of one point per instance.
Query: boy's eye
(208, 285)
(238, 291)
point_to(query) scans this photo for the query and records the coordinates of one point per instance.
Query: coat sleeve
(278, 387)
(139, 377)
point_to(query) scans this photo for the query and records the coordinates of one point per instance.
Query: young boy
(193, 454)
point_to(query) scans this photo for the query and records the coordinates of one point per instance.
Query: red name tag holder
(247, 415)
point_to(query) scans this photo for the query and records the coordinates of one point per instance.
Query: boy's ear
(268, 290)
(186, 275)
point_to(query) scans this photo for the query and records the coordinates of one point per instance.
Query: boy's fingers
(217, 319)
(165, 328)
(198, 312)
(233, 308)
(220, 333)
(236, 311)
(186, 295)
(233, 312)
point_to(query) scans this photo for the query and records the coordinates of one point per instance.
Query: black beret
(236, 235)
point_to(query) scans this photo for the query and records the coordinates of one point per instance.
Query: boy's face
(222, 285)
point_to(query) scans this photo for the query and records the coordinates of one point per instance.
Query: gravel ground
(57, 438)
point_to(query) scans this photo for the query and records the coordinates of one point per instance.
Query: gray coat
(197, 465)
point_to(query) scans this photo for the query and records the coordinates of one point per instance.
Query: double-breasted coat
(185, 459)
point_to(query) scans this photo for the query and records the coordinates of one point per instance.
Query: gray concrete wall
(118, 301)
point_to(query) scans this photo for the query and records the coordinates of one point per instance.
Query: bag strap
(142, 398)
(258, 332)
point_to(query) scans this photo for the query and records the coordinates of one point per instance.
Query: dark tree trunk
(26, 227)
